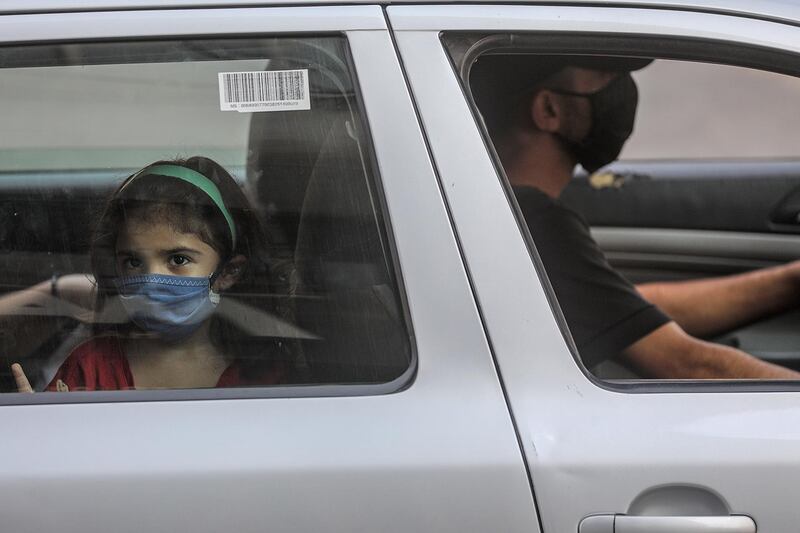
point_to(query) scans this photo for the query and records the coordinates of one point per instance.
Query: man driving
(545, 115)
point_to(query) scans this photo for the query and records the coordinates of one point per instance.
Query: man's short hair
(502, 84)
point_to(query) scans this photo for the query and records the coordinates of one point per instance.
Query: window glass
(707, 111)
(191, 214)
(661, 196)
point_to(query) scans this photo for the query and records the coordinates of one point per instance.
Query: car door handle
(787, 210)
(667, 524)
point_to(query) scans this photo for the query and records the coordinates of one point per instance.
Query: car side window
(692, 110)
(192, 214)
(660, 195)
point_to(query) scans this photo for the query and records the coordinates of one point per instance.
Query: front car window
(640, 214)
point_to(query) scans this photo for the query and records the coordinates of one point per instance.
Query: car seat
(309, 174)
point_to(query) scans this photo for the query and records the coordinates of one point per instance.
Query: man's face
(593, 112)
(577, 117)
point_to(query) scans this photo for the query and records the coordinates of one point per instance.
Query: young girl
(173, 239)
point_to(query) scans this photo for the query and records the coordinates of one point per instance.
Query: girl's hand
(23, 385)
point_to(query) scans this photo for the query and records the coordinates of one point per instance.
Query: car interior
(666, 221)
(333, 305)
(703, 187)
(707, 186)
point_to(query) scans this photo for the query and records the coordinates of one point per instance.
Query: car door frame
(592, 447)
(438, 453)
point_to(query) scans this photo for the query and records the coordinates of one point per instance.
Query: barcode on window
(272, 90)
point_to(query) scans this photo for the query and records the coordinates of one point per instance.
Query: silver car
(433, 384)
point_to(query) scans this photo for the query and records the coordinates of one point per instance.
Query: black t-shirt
(604, 311)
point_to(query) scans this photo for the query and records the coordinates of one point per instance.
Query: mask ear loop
(213, 295)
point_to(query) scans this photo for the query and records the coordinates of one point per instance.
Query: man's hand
(23, 385)
(710, 306)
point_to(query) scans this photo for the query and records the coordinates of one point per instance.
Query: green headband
(195, 178)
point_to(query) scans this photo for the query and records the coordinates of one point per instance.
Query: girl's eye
(179, 260)
(131, 262)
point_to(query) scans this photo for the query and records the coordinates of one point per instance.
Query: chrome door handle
(667, 524)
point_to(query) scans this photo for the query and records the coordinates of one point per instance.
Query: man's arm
(671, 353)
(711, 306)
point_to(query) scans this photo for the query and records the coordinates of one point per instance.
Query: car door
(603, 456)
(429, 449)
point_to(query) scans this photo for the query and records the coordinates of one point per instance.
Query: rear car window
(191, 214)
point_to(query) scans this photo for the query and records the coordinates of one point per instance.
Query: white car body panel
(439, 456)
(599, 19)
(591, 450)
(774, 9)
(66, 26)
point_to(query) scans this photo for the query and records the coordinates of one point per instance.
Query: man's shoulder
(528, 196)
(541, 210)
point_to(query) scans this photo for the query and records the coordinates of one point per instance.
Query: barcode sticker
(270, 90)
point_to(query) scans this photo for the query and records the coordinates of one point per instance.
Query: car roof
(783, 10)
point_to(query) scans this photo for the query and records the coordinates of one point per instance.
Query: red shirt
(100, 364)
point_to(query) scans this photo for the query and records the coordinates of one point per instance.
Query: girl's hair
(188, 209)
(185, 208)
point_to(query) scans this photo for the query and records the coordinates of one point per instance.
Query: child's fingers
(23, 385)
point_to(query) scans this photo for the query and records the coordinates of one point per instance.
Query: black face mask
(613, 113)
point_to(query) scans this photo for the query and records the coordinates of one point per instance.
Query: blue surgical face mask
(172, 307)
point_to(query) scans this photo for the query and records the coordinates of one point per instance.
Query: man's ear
(231, 273)
(545, 110)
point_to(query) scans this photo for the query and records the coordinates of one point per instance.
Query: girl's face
(151, 248)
